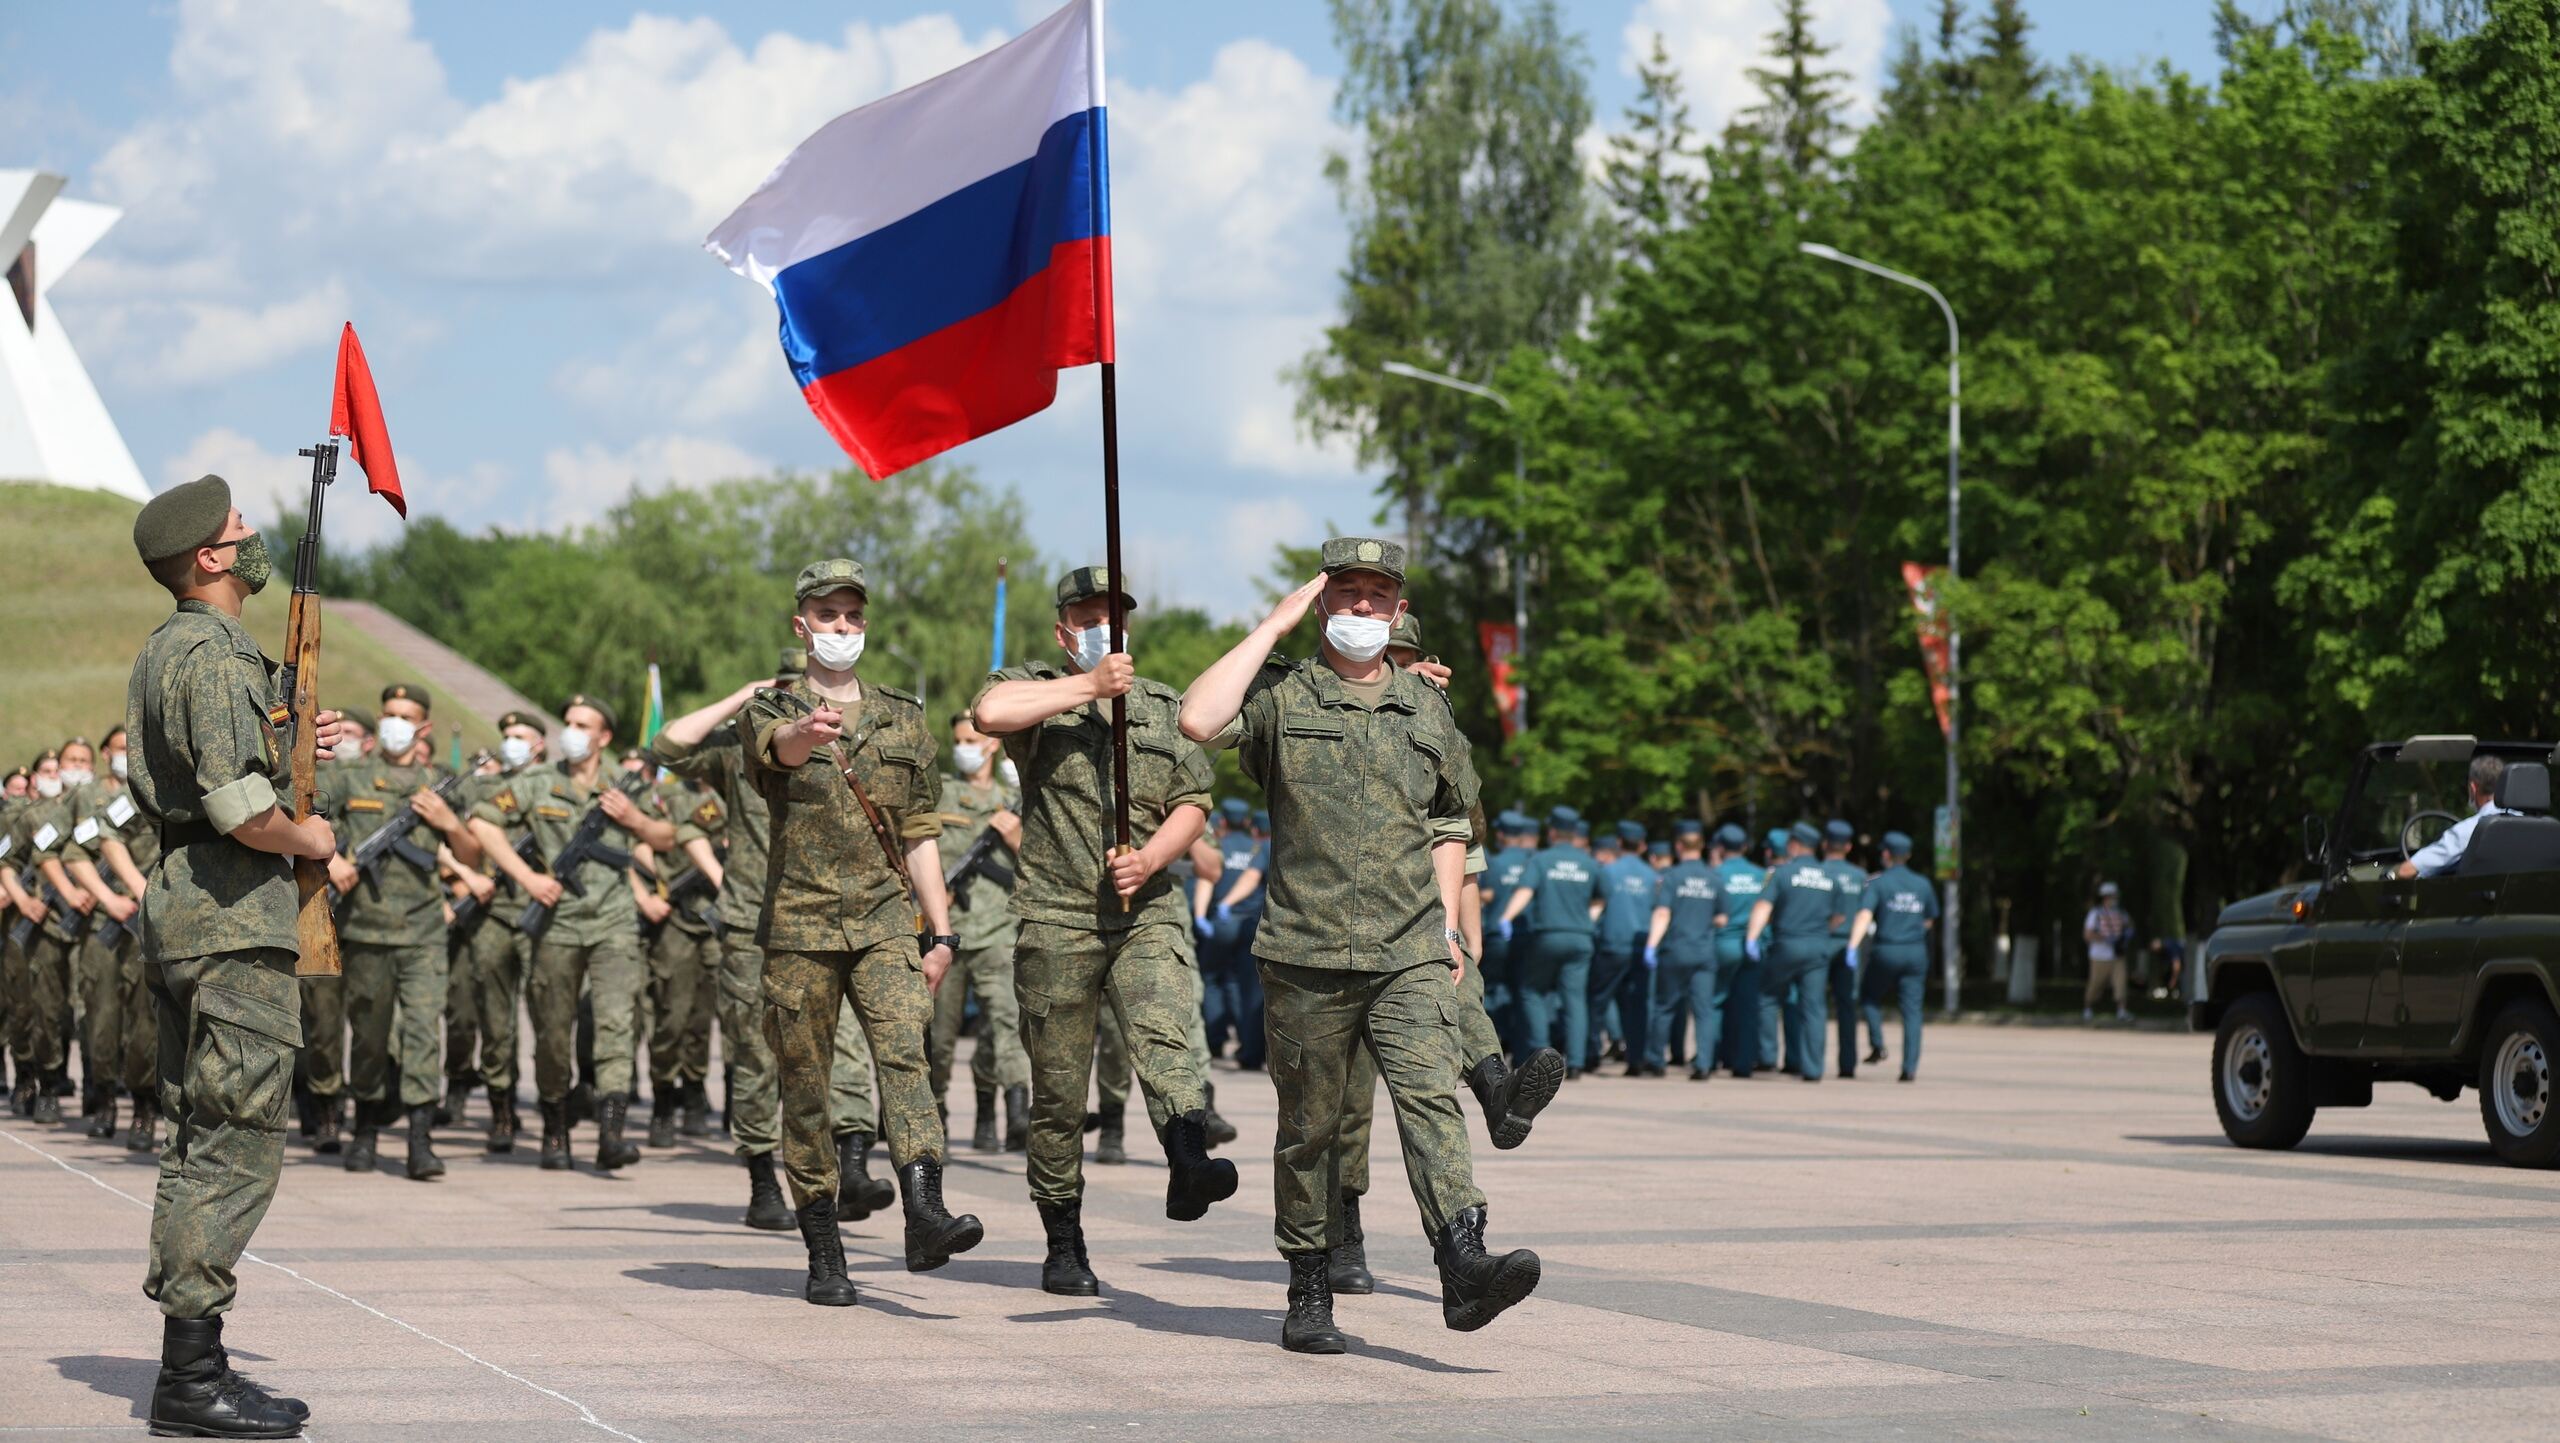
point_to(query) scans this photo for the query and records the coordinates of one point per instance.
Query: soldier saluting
(218, 933)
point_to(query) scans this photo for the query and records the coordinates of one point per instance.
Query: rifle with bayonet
(315, 929)
(585, 845)
(391, 840)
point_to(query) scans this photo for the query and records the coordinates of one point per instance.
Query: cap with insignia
(1575, 828)
(1837, 830)
(1688, 827)
(1359, 553)
(1732, 838)
(519, 719)
(1234, 809)
(182, 518)
(1563, 817)
(1660, 849)
(1803, 834)
(1898, 843)
(1631, 833)
(1407, 632)
(596, 703)
(1090, 581)
(833, 574)
(794, 662)
(1777, 839)
(403, 691)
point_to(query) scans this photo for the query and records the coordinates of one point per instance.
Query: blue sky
(508, 201)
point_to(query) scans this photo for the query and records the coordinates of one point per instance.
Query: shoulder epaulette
(894, 694)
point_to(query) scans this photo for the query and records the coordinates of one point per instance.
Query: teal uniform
(1738, 993)
(1555, 964)
(1502, 874)
(1629, 888)
(1896, 955)
(1852, 880)
(1795, 949)
(1685, 965)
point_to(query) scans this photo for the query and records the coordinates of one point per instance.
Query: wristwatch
(949, 940)
(1454, 935)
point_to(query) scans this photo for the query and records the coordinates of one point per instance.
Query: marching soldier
(1100, 923)
(1890, 940)
(975, 804)
(321, 1071)
(675, 915)
(1631, 889)
(854, 868)
(56, 941)
(488, 945)
(218, 916)
(108, 833)
(1680, 950)
(27, 909)
(1851, 879)
(1559, 897)
(1790, 936)
(1371, 800)
(1739, 884)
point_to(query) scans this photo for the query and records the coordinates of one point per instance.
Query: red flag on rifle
(355, 412)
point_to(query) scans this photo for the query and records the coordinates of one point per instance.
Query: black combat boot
(1511, 1100)
(1111, 1147)
(102, 1111)
(502, 1120)
(662, 1115)
(457, 1091)
(1198, 1179)
(827, 1287)
(728, 1094)
(1309, 1327)
(22, 1098)
(1066, 1271)
(198, 1396)
(299, 1409)
(326, 1120)
(1475, 1287)
(144, 1134)
(1349, 1273)
(368, 1136)
(983, 1136)
(423, 1162)
(766, 1211)
(858, 1193)
(582, 1103)
(555, 1136)
(47, 1108)
(611, 1151)
(1017, 1118)
(696, 1105)
(1221, 1131)
(934, 1236)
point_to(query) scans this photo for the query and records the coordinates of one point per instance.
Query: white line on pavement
(586, 1414)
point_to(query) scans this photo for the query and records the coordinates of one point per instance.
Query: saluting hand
(1114, 677)
(1293, 607)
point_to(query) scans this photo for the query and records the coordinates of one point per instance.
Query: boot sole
(1541, 1077)
(1350, 1287)
(781, 1224)
(1325, 1347)
(190, 1430)
(968, 1235)
(1514, 1280)
(1214, 1184)
(1072, 1290)
(848, 1300)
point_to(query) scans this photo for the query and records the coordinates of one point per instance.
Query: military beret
(519, 719)
(1262, 821)
(1091, 581)
(403, 691)
(1777, 839)
(595, 702)
(1897, 843)
(1406, 632)
(1563, 817)
(182, 518)
(1837, 830)
(794, 662)
(1631, 833)
(1234, 809)
(833, 574)
(1803, 834)
(1688, 827)
(1359, 553)
(1660, 849)
(1732, 838)
(358, 715)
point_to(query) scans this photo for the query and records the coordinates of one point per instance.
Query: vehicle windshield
(2397, 791)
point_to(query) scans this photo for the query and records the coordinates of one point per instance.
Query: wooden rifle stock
(316, 928)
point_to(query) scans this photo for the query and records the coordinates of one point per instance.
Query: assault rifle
(984, 858)
(470, 911)
(585, 845)
(391, 840)
(689, 892)
(24, 928)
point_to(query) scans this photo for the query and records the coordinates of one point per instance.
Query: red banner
(1502, 643)
(1923, 581)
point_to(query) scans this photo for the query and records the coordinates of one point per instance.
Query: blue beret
(1661, 849)
(1234, 809)
(1839, 831)
(1732, 838)
(1805, 834)
(1777, 839)
(1897, 843)
(1631, 833)
(1563, 817)
(1688, 829)
(1262, 821)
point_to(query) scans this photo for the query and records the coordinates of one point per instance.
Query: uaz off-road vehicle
(2317, 991)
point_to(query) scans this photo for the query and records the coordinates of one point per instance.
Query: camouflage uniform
(753, 1100)
(681, 957)
(1079, 943)
(218, 932)
(490, 958)
(46, 1019)
(1350, 943)
(982, 917)
(119, 1028)
(391, 940)
(839, 923)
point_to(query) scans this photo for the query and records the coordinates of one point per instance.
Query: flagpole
(1100, 169)
(995, 655)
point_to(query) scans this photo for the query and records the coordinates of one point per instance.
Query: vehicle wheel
(2261, 1080)
(2516, 1101)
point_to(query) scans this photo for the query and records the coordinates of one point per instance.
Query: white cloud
(587, 481)
(1715, 43)
(266, 484)
(209, 341)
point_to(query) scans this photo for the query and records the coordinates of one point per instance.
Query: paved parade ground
(2046, 1238)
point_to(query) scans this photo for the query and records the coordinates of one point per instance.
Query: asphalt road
(2044, 1238)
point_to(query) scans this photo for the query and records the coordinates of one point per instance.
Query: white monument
(53, 427)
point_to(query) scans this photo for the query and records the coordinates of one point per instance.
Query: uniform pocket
(241, 1069)
(1311, 750)
(1422, 770)
(790, 997)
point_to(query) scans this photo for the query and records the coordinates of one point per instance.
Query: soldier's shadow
(1244, 1325)
(128, 1378)
(782, 1284)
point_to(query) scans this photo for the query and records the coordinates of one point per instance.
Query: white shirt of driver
(2445, 853)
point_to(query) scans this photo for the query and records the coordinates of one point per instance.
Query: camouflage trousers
(1476, 1042)
(1320, 1020)
(13, 987)
(141, 1021)
(461, 1013)
(395, 1004)
(804, 997)
(116, 1015)
(46, 1008)
(999, 1060)
(1111, 1071)
(681, 965)
(610, 972)
(491, 964)
(754, 1101)
(228, 1025)
(323, 1062)
(1066, 978)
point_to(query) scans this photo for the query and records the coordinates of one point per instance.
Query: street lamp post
(1955, 639)
(1519, 508)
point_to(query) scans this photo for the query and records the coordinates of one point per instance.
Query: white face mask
(1092, 645)
(968, 757)
(836, 650)
(49, 786)
(77, 777)
(515, 752)
(1358, 638)
(397, 733)
(575, 744)
(116, 764)
(1012, 774)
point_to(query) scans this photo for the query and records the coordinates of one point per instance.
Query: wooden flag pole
(1119, 622)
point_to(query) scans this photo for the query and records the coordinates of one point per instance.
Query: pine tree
(1799, 116)
(1650, 178)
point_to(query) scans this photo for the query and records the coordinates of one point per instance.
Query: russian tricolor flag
(940, 254)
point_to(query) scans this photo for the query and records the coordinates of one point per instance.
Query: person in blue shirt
(1629, 888)
(1890, 939)
(1837, 838)
(1739, 882)
(1518, 835)
(1773, 995)
(1558, 901)
(1680, 949)
(1790, 933)
(1220, 915)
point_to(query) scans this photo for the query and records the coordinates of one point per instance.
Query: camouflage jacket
(107, 811)
(719, 761)
(828, 885)
(698, 817)
(506, 904)
(49, 824)
(981, 911)
(401, 905)
(546, 799)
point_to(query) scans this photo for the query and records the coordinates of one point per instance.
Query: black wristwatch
(951, 941)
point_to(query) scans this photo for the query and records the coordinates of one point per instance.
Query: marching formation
(791, 867)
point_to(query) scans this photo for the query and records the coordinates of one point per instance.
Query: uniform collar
(1332, 693)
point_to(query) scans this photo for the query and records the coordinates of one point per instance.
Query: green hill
(75, 607)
